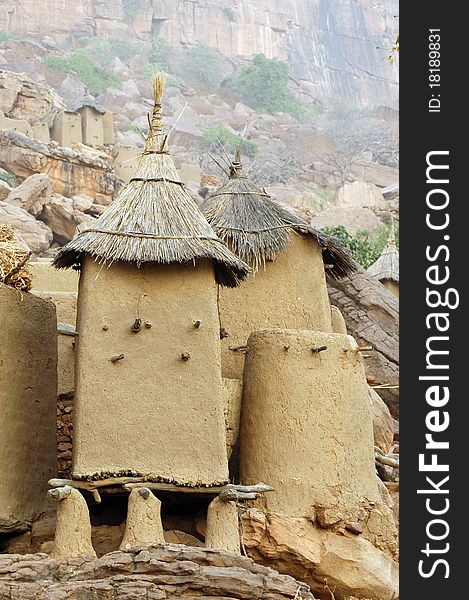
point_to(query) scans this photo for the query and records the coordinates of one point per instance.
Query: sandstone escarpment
(335, 48)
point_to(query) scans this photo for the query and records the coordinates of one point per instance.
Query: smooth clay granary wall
(306, 425)
(28, 395)
(149, 399)
(290, 292)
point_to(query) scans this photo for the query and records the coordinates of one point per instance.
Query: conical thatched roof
(257, 227)
(154, 219)
(387, 265)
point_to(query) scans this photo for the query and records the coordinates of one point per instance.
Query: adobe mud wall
(148, 394)
(291, 293)
(306, 423)
(28, 372)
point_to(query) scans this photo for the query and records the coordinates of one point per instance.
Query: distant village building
(149, 397)
(288, 286)
(92, 122)
(386, 267)
(66, 129)
(20, 125)
(108, 129)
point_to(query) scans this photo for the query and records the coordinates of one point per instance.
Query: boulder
(21, 98)
(61, 216)
(37, 235)
(371, 313)
(168, 571)
(33, 194)
(285, 194)
(174, 536)
(360, 194)
(72, 91)
(347, 564)
(130, 88)
(82, 203)
(353, 218)
(380, 175)
(383, 423)
(113, 99)
(5, 189)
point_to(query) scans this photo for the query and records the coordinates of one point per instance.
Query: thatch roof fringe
(154, 219)
(387, 265)
(256, 227)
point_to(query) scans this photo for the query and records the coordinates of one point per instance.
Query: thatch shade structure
(149, 398)
(386, 267)
(154, 219)
(288, 286)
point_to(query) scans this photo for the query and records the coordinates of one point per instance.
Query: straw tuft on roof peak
(154, 218)
(256, 227)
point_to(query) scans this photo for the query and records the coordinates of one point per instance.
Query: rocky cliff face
(335, 48)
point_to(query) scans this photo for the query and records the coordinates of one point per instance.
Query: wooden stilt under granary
(148, 386)
(288, 286)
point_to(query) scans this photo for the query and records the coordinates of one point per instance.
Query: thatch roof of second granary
(256, 227)
(154, 218)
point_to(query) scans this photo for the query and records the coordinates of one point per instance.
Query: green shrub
(8, 178)
(159, 54)
(364, 246)
(132, 8)
(56, 63)
(97, 48)
(96, 78)
(229, 140)
(263, 84)
(320, 199)
(105, 50)
(5, 35)
(230, 13)
(203, 68)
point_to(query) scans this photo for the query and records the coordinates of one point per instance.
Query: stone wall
(64, 435)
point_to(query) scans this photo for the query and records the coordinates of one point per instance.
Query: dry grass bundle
(257, 228)
(154, 218)
(387, 265)
(13, 258)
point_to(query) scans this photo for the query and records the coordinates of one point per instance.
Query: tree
(263, 84)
